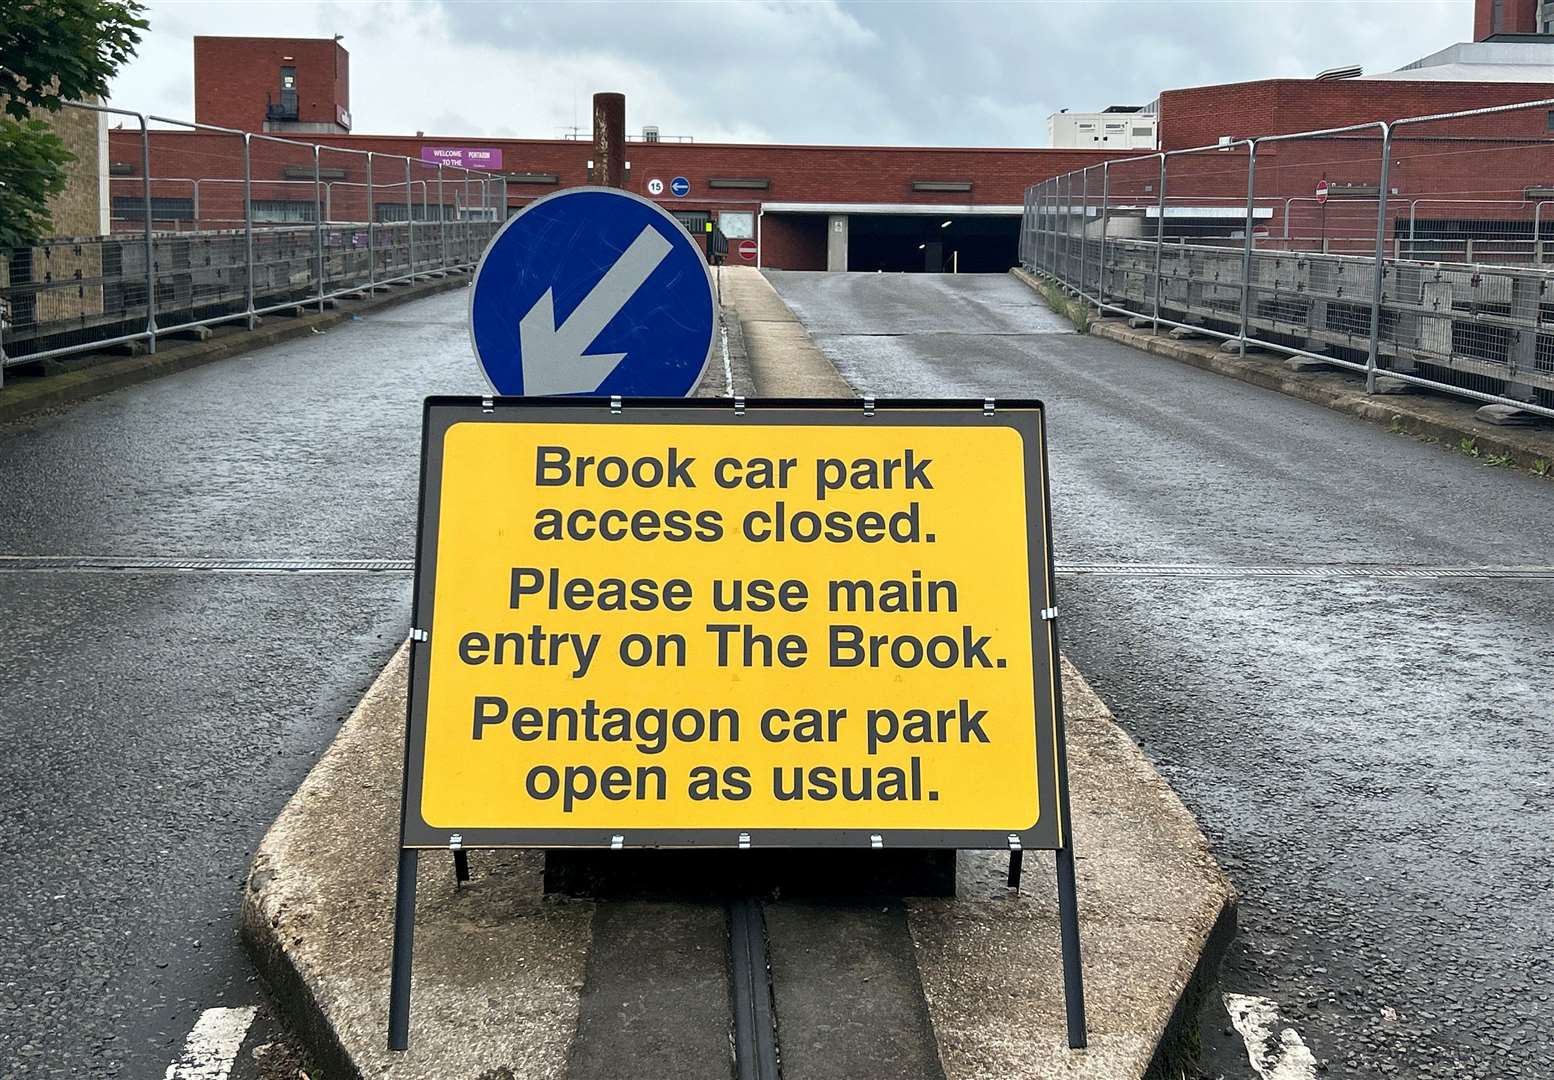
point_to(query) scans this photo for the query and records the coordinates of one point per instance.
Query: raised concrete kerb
(783, 359)
(1156, 913)
(498, 967)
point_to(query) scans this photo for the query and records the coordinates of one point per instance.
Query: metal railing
(241, 236)
(1450, 289)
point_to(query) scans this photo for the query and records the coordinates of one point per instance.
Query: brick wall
(1201, 115)
(233, 75)
(793, 241)
(77, 211)
(1516, 17)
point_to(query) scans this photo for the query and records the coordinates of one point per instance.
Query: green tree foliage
(51, 51)
(32, 168)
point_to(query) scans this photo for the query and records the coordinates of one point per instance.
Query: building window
(737, 224)
(284, 210)
(163, 208)
(419, 211)
(288, 78)
(695, 221)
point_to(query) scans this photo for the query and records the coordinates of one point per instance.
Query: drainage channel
(792, 964)
(755, 1024)
(1395, 571)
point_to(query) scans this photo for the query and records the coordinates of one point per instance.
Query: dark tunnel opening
(932, 244)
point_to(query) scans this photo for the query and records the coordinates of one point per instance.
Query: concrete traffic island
(512, 982)
(500, 965)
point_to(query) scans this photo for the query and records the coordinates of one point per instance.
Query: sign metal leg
(1073, 975)
(461, 866)
(1016, 861)
(404, 935)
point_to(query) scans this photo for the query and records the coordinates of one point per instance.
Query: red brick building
(1505, 17)
(273, 84)
(833, 207)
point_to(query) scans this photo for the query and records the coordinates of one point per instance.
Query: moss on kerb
(1074, 310)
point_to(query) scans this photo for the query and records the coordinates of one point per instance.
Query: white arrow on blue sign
(680, 186)
(593, 291)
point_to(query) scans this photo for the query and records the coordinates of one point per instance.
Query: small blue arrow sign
(592, 291)
(680, 186)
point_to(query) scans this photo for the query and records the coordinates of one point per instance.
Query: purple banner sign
(465, 157)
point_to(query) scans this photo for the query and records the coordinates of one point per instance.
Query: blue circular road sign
(680, 186)
(594, 292)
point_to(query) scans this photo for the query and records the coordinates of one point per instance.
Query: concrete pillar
(836, 243)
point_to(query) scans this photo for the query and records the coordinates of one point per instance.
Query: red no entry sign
(747, 249)
(1321, 192)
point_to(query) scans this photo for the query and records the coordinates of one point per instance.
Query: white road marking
(212, 1046)
(1285, 1057)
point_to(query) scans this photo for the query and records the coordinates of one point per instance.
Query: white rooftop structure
(1483, 61)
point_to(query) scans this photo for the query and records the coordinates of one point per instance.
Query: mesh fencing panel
(1471, 301)
(1418, 250)
(71, 290)
(205, 225)
(346, 255)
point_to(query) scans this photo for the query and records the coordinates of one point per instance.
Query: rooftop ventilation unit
(1345, 71)
(650, 133)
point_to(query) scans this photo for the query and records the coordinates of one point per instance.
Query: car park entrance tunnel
(922, 239)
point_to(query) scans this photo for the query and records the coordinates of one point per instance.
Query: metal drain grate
(1300, 570)
(111, 564)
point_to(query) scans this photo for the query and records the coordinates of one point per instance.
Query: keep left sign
(593, 292)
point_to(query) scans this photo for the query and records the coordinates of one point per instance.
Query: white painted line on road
(212, 1046)
(1281, 1057)
(728, 367)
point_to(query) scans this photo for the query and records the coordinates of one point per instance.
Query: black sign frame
(1051, 829)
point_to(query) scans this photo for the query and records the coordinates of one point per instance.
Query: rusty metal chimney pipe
(609, 141)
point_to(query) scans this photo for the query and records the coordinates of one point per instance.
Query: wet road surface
(156, 721)
(1367, 750)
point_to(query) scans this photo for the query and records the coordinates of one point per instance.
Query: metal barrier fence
(248, 224)
(1427, 258)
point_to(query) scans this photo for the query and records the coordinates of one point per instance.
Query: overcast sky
(959, 73)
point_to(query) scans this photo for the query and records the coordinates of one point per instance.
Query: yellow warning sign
(687, 625)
